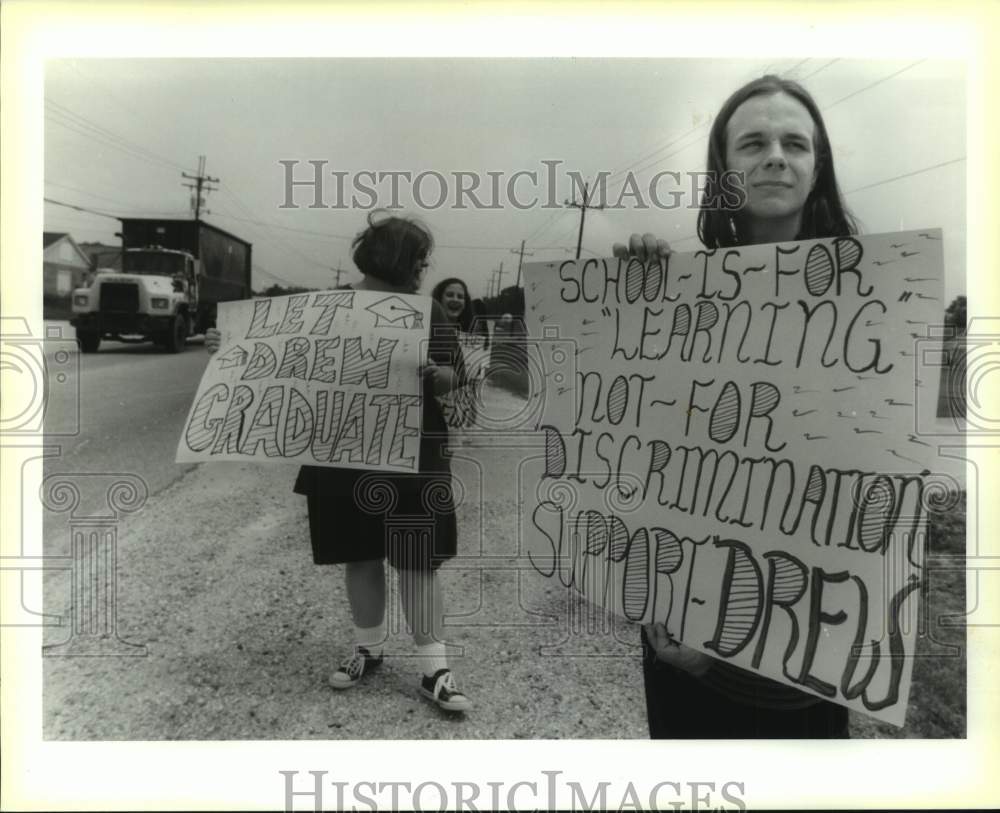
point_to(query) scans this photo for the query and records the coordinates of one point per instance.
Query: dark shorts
(410, 534)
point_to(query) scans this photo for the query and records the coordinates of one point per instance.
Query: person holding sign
(771, 131)
(360, 518)
(453, 296)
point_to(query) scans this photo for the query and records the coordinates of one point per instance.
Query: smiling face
(770, 139)
(453, 300)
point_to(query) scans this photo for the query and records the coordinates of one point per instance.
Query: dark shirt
(443, 350)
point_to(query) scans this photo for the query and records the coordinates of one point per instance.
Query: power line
(906, 175)
(873, 84)
(64, 117)
(80, 208)
(822, 68)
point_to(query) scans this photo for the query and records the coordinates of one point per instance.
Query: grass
(937, 706)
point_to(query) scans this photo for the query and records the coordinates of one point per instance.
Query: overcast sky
(119, 132)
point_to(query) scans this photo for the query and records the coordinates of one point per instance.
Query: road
(226, 630)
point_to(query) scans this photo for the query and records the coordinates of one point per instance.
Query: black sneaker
(354, 668)
(440, 688)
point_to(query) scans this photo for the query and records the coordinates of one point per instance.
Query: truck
(172, 275)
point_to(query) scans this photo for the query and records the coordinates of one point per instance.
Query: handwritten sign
(325, 379)
(742, 462)
(460, 407)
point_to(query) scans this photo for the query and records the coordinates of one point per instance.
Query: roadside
(241, 629)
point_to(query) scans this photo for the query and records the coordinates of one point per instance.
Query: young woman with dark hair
(771, 131)
(474, 337)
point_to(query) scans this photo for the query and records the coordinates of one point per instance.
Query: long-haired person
(474, 337)
(771, 131)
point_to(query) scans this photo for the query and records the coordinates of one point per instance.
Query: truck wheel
(177, 337)
(89, 342)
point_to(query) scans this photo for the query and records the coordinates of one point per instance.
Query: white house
(64, 263)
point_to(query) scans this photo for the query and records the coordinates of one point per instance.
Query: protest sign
(742, 463)
(460, 407)
(329, 378)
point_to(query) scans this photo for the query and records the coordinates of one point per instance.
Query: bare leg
(366, 591)
(423, 602)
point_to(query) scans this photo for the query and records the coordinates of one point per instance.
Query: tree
(955, 315)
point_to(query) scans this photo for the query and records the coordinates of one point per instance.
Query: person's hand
(213, 338)
(669, 650)
(442, 378)
(644, 246)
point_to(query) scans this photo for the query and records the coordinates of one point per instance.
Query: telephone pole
(338, 272)
(520, 261)
(498, 276)
(583, 213)
(201, 181)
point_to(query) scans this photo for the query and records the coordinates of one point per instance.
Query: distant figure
(462, 406)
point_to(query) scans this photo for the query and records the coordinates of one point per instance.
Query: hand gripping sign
(743, 462)
(329, 378)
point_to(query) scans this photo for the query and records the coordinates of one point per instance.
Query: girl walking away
(772, 132)
(349, 508)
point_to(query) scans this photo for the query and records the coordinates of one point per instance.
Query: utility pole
(338, 272)
(520, 261)
(583, 213)
(201, 181)
(499, 273)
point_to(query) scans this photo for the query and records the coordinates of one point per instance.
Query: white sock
(371, 638)
(431, 657)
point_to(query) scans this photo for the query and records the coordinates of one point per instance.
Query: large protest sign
(742, 463)
(329, 378)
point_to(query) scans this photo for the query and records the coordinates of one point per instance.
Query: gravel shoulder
(240, 629)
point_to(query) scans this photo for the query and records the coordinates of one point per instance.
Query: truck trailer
(173, 274)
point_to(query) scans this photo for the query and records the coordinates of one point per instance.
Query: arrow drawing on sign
(927, 236)
(866, 431)
(882, 262)
(894, 402)
(903, 457)
(798, 390)
(807, 436)
(843, 389)
(797, 414)
(875, 415)
(908, 253)
(236, 357)
(840, 414)
(924, 296)
(919, 279)
(913, 439)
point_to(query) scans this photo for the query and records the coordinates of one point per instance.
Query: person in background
(771, 131)
(347, 513)
(474, 337)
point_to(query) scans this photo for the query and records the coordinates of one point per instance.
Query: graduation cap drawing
(396, 312)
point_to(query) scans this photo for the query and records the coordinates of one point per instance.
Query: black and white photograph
(367, 403)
